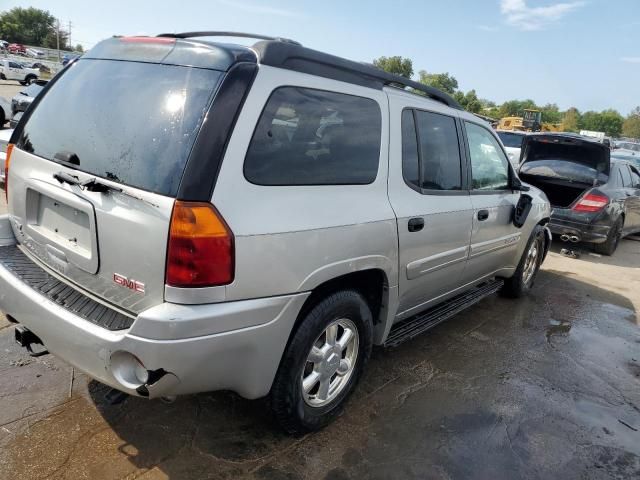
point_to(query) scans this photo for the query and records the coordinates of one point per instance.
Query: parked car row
(19, 49)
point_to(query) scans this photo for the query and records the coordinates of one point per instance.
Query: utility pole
(69, 39)
(58, 38)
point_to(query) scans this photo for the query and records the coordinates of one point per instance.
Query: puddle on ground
(557, 328)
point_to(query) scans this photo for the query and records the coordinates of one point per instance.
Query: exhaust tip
(574, 238)
(564, 237)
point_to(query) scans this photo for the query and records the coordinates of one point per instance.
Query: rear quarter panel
(293, 238)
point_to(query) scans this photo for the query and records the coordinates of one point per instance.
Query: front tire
(322, 363)
(525, 275)
(610, 245)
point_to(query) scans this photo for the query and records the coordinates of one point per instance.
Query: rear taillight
(200, 249)
(7, 161)
(591, 202)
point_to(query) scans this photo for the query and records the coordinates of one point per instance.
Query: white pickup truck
(10, 70)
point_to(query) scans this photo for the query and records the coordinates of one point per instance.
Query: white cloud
(630, 59)
(260, 9)
(519, 15)
(487, 28)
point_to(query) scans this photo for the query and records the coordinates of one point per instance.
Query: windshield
(512, 140)
(129, 122)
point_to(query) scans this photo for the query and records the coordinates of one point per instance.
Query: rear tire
(30, 79)
(609, 246)
(525, 275)
(3, 118)
(330, 373)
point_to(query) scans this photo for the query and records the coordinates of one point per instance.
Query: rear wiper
(94, 185)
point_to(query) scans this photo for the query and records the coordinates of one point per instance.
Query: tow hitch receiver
(26, 338)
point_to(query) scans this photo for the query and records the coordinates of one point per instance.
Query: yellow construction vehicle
(531, 121)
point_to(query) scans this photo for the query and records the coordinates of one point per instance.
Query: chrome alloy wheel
(531, 262)
(330, 363)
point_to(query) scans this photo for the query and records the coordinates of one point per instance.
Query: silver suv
(207, 216)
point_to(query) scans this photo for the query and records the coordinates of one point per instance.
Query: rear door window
(626, 176)
(430, 151)
(129, 122)
(315, 137)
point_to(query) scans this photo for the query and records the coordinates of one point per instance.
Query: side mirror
(518, 186)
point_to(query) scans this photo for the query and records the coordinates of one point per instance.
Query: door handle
(483, 215)
(416, 224)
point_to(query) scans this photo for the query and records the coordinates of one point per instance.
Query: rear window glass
(314, 137)
(512, 140)
(132, 123)
(439, 152)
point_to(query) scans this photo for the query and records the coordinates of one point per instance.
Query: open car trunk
(564, 167)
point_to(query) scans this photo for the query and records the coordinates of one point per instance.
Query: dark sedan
(595, 197)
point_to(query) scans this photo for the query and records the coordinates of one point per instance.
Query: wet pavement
(543, 387)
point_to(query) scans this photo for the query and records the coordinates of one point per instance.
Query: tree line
(35, 27)
(571, 120)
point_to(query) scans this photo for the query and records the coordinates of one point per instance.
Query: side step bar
(420, 323)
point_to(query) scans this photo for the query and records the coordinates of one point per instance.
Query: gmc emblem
(134, 285)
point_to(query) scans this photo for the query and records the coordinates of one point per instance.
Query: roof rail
(295, 57)
(430, 92)
(286, 53)
(227, 34)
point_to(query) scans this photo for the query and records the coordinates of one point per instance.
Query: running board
(420, 323)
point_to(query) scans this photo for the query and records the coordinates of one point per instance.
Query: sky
(576, 53)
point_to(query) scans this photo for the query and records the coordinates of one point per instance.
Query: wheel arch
(372, 283)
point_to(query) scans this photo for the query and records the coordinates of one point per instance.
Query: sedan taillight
(591, 202)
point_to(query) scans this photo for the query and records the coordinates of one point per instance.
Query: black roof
(288, 54)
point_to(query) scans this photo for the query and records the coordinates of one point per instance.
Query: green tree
(442, 81)
(607, 121)
(30, 26)
(631, 125)
(571, 120)
(551, 113)
(515, 108)
(397, 65)
(79, 48)
(469, 101)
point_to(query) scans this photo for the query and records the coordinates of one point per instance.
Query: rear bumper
(586, 232)
(196, 347)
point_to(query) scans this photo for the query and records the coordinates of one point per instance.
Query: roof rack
(227, 34)
(294, 56)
